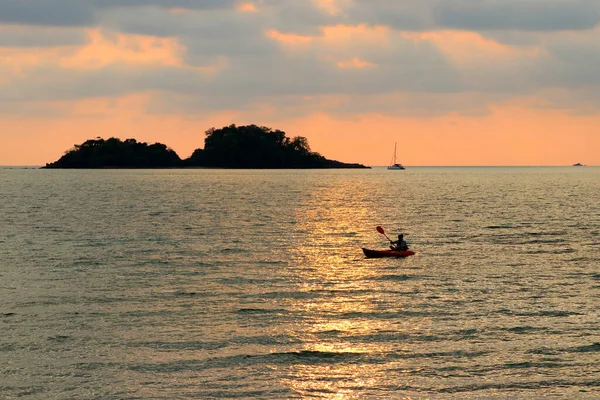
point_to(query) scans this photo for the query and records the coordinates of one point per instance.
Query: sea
(251, 284)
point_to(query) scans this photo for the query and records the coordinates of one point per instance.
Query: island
(240, 147)
(578, 165)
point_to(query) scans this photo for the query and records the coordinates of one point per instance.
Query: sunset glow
(451, 90)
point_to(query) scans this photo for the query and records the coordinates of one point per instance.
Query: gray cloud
(403, 15)
(86, 12)
(185, 4)
(576, 63)
(297, 17)
(20, 36)
(253, 68)
(479, 15)
(515, 38)
(533, 15)
(47, 12)
(303, 17)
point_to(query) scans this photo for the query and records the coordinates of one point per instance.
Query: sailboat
(395, 165)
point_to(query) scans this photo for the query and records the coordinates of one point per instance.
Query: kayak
(387, 253)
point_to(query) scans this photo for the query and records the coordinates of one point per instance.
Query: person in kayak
(400, 244)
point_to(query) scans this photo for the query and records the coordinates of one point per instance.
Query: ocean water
(209, 284)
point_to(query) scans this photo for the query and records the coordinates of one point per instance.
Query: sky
(453, 82)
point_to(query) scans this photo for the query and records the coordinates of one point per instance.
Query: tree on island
(252, 146)
(247, 146)
(114, 153)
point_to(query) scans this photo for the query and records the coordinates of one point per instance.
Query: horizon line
(371, 166)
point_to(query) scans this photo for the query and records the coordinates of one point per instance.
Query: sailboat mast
(395, 165)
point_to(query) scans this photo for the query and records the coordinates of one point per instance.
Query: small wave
(443, 354)
(536, 385)
(543, 234)
(592, 348)
(259, 311)
(184, 293)
(499, 227)
(331, 332)
(106, 300)
(392, 337)
(544, 351)
(544, 313)
(524, 329)
(273, 262)
(391, 315)
(291, 295)
(314, 356)
(262, 340)
(549, 313)
(94, 366)
(239, 280)
(232, 250)
(551, 251)
(343, 234)
(185, 345)
(280, 358)
(467, 332)
(59, 338)
(526, 364)
(541, 241)
(397, 278)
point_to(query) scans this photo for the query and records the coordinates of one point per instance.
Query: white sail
(395, 165)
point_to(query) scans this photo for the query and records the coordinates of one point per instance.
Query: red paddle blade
(380, 230)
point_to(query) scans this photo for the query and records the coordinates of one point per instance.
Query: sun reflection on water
(337, 355)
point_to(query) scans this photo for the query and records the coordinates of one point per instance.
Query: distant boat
(395, 165)
(578, 165)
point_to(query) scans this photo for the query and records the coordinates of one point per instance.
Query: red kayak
(387, 253)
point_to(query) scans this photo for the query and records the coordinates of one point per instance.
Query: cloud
(306, 16)
(22, 36)
(478, 15)
(527, 15)
(427, 57)
(47, 12)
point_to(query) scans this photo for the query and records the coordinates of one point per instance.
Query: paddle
(380, 230)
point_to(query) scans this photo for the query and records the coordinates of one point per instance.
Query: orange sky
(510, 136)
(447, 96)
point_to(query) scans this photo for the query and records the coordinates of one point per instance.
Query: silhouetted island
(232, 146)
